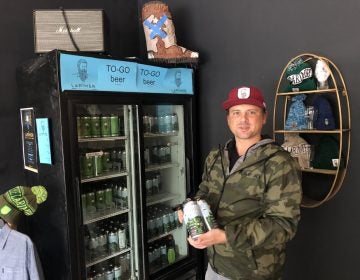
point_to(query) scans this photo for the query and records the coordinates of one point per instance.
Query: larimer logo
(82, 69)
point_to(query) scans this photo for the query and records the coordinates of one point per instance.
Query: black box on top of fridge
(113, 142)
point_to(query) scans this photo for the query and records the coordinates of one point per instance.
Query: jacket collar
(241, 163)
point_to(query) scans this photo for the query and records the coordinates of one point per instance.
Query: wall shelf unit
(319, 185)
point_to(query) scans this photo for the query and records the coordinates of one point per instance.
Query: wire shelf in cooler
(148, 135)
(161, 197)
(105, 214)
(101, 139)
(155, 167)
(107, 257)
(108, 175)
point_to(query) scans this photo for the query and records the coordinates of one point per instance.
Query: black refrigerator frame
(56, 227)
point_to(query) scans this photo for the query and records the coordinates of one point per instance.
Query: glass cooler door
(107, 189)
(164, 184)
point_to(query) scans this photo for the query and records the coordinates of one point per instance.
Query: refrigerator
(113, 142)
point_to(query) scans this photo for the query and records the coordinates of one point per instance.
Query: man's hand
(214, 236)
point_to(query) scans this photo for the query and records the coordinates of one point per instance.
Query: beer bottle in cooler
(125, 197)
(174, 123)
(170, 248)
(122, 238)
(163, 254)
(123, 160)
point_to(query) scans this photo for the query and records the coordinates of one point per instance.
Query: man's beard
(83, 75)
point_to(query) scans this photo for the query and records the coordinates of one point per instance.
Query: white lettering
(304, 74)
(63, 29)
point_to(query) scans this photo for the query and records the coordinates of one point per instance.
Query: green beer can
(105, 126)
(86, 126)
(95, 126)
(114, 125)
(88, 166)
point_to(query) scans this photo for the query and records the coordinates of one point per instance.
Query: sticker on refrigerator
(29, 139)
(42, 125)
(97, 74)
(94, 74)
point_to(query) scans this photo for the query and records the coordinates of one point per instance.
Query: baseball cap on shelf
(244, 95)
(21, 200)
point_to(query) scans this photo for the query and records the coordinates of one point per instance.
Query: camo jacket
(257, 203)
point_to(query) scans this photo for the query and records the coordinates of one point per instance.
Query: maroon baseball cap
(244, 95)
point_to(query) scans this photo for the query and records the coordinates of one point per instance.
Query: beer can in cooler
(98, 164)
(88, 165)
(106, 161)
(162, 154)
(124, 197)
(193, 219)
(83, 203)
(79, 127)
(146, 124)
(105, 126)
(168, 152)
(161, 124)
(207, 214)
(113, 242)
(90, 203)
(100, 199)
(122, 238)
(109, 275)
(114, 125)
(149, 187)
(154, 155)
(117, 272)
(86, 125)
(109, 198)
(95, 126)
(174, 123)
(151, 124)
(155, 126)
(155, 185)
(123, 159)
(167, 126)
(147, 157)
(152, 225)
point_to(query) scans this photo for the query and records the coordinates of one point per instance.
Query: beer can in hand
(208, 216)
(193, 219)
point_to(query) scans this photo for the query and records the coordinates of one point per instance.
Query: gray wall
(250, 42)
(240, 42)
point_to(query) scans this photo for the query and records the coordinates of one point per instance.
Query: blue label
(95, 74)
(42, 132)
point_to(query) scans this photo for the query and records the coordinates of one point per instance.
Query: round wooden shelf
(319, 185)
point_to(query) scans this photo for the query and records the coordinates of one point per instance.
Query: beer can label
(193, 219)
(209, 218)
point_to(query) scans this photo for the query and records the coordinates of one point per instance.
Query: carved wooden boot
(160, 35)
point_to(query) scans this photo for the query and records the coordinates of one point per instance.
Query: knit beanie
(299, 76)
(298, 149)
(21, 200)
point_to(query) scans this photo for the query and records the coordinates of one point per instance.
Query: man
(18, 256)
(253, 188)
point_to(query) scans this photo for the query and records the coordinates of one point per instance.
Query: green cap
(21, 200)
